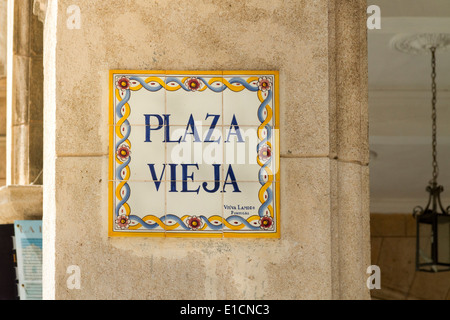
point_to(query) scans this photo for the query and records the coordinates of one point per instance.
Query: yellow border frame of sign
(194, 235)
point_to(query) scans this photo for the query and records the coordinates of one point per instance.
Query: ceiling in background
(400, 107)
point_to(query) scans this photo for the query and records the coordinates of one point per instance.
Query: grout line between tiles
(190, 181)
(223, 160)
(165, 159)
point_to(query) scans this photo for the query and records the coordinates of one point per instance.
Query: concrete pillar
(319, 48)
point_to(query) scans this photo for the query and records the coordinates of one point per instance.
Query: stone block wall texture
(394, 251)
(3, 35)
(26, 95)
(319, 48)
(2, 131)
(21, 111)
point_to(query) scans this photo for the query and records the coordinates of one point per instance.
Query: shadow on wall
(393, 240)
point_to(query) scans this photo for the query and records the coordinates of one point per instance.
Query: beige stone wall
(319, 47)
(394, 251)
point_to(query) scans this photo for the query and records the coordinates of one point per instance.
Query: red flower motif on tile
(264, 84)
(265, 153)
(266, 223)
(194, 223)
(123, 222)
(123, 152)
(193, 84)
(123, 83)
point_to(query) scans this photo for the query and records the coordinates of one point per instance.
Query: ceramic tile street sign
(194, 154)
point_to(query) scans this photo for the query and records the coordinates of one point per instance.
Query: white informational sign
(28, 245)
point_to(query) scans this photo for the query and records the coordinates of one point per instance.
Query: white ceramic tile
(146, 154)
(201, 159)
(242, 209)
(183, 206)
(242, 106)
(143, 203)
(149, 99)
(246, 152)
(182, 103)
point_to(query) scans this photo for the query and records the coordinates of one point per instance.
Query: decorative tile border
(235, 207)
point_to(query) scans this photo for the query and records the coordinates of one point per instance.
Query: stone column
(350, 147)
(3, 35)
(319, 48)
(21, 198)
(25, 103)
(3, 42)
(2, 130)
